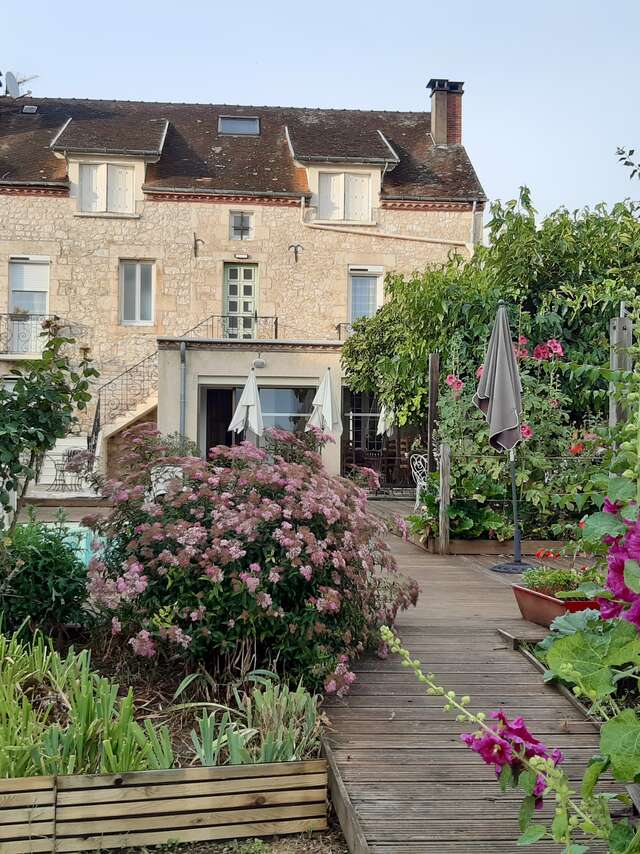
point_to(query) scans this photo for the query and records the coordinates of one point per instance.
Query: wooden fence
(94, 813)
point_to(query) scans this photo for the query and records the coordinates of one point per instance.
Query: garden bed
(96, 812)
(494, 547)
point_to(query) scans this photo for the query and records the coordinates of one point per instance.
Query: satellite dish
(12, 87)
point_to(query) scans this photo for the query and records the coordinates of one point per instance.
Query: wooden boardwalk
(404, 783)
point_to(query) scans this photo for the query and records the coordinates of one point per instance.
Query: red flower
(576, 449)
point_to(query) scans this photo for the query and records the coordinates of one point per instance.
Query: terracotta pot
(542, 609)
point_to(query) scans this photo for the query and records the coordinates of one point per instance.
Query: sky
(551, 88)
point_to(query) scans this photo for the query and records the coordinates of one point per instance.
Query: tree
(36, 409)
(562, 278)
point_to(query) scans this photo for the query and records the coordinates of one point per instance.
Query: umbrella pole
(517, 565)
(517, 542)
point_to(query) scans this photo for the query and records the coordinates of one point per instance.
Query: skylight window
(30, 109)
(239, 125)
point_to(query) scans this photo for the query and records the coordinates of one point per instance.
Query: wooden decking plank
(412, 786)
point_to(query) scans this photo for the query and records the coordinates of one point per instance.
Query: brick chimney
(446, 111)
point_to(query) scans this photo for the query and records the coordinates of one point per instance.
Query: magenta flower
(525, 431)
(541, 353)
(555, 347)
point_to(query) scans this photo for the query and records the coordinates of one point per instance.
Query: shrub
(552, 581)
(42, 577)
(248, 557)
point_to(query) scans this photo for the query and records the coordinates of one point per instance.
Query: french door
(240, 300)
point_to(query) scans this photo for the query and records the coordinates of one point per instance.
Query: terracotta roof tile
(196, 157)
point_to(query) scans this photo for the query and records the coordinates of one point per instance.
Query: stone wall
(309, 297)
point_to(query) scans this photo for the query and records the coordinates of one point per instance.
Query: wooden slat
(180, 775)
(27, 846)
(26, 784)
(201, 818)
(124, 793)
(178, 804)
(35, 830)
(239, 831)
(27, 799)
(26, 814)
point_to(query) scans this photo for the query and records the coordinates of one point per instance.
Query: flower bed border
(491, 547)
(96, 812)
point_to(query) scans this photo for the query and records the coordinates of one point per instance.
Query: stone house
(220, 235)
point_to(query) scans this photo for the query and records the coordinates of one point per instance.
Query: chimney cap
(440, 84)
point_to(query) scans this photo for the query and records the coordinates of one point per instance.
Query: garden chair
(420, 473)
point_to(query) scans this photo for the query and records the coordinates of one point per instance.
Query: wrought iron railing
(344, 330)
(135, 385)
(22, 334)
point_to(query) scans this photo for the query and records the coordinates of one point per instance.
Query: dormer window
(344, 196)
(106, 188)
(239, 125)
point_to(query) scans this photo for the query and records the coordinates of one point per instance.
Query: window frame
(364, 272)
(343, 175)
(248, 214)
(138, 263)
(102, 180)
(31, 260)
(222, 132)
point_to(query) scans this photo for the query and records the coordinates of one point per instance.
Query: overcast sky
(551, 86)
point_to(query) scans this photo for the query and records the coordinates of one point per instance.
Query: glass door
(240, 300)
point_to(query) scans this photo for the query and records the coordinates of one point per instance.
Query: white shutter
(331, 195)
(29, 286)
(89, 190)
(356, 193)
(120, 189)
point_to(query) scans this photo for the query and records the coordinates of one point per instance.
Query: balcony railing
(21, 334)
(133, 386)
(241, 326)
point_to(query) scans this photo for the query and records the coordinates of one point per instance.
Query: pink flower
(525, 431)
(541, 353)
(451, 380)
(143, 644)
(554, 403)
(264, 600)
(522, 340)
(306, 572)
(116, 626)
(480, 372)
(555, 347)
(215, 573)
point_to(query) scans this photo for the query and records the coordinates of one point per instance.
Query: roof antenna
(12, 84)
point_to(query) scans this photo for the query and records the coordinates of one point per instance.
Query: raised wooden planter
(539, 608)
(98, 812)
(494, 547)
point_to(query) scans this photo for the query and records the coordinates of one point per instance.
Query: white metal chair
(420, 473)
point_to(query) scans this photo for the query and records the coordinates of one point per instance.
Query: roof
(196, 158)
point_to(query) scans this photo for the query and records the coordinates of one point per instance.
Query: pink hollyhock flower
(541, 353)
(526, 432)
(450, 380)
(555, 347)
(522, 340)
(611, 506)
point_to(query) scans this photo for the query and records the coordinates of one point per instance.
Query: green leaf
(595, 768)
(620, 742)
(602, 524)
(559, 826)
(632, 575)
(505, 779)
(591, 655)
(527, 810)
(527, 781)
(574, 848)
(532, 834)
(621, 489)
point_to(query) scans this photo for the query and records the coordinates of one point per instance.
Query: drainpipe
(472, 232)
(183, 388)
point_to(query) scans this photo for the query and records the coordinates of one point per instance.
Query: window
(28, 302)
(240, 300)
(286, 408)
(344, 196)
(106, 188)
(29, 286)
(239, 125)
(136, 292)
(364, 296)
(240, 226)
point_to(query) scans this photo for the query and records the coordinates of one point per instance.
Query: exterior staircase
(134, 393)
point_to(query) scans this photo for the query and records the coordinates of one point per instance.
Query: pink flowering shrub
(254, 549)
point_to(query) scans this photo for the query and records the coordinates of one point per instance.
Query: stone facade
(309, 297)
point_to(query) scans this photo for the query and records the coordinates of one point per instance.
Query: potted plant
(548, 592)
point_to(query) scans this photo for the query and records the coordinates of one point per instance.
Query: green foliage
(36, 410)
(42, 577)
(620, 743)
(588, 658)
(551, 581)
(568, 624)
(563, 278)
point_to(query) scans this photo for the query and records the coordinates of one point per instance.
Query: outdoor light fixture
(241, 256)
(259, 363)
